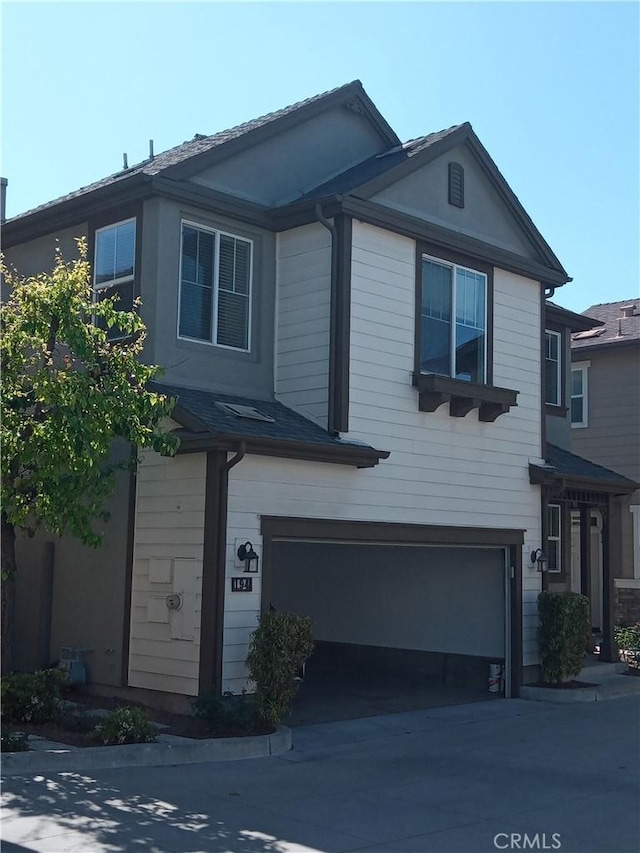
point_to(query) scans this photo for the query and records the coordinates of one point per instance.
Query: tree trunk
(8, 590)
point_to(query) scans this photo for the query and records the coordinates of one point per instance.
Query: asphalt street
(506, 775)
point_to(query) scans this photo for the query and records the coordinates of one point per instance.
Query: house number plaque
(241, 584)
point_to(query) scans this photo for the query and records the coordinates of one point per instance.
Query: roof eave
(359, 457)
(540, 475)
(76, 210)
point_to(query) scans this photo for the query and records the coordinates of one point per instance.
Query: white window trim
(558, 402)
(123, 279)
(583, 367)
(217, 232)
(635, 524)
(452, 341)
(557, 538)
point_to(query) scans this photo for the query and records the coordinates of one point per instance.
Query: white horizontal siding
(303, 299)
(170, 499)
(442, 470)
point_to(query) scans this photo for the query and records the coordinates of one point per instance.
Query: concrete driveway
(487, 776)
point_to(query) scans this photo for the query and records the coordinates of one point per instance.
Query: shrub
(563, 634)
(33, 697)
(226, 714)
(125, 725)
(14, 742)
(279, 647)
(628, 637)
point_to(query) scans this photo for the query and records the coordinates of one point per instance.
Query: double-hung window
(453, 321)
(554, 538)
(215, 287)
(552, 368)
(114, 266)
(579, 395)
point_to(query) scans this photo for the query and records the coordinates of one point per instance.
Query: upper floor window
(114, 266)
(453, 321)
(579, 395)
(552, 368)
(215, 287)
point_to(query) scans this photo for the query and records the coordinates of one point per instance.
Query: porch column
(608, 651)
(585, 551)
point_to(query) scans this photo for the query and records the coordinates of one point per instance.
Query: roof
(616, 328)
(562, 465)
(208, 423)
(379, 164)
(202, 144)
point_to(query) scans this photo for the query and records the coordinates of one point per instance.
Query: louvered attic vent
(249, 412)
(456, 185)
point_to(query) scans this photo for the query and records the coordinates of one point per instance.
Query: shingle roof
(576, 322)
(287, 425)
(379, 164)
(199, 144)
(616, 329)
(566, 464)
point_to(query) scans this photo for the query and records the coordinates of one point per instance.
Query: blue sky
(551, 89)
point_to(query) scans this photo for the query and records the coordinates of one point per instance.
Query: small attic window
(248, 412)
(456, 185)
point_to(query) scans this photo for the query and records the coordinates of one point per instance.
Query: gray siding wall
(38, 256)
(201, 365)
(87, 602)
(612, 437)
(424, 193)
(285, 167)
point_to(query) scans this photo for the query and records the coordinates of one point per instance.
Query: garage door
(446, 602)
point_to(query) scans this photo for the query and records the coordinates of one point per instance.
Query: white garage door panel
(432, 599)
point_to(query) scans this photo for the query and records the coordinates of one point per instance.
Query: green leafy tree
(67, 393)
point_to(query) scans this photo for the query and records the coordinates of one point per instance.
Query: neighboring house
(605, 421)
(353, 328)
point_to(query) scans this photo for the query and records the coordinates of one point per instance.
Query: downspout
(214, 568)
(333, 330)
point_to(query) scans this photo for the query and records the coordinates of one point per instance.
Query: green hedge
(563, 634)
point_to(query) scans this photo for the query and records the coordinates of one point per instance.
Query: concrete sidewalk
(466, 779)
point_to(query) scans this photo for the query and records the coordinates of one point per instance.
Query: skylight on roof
(592, 333)
(248, 412)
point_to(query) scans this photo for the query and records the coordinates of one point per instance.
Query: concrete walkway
(465, 779)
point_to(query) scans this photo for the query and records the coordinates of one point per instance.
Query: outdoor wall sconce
(248, 556)
(538, 556)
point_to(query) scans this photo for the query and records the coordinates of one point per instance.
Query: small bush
(33, 697)
(628, 637)
(14, 742)
(279, 647)
(563, 634)
(125, 725)
(226, 713)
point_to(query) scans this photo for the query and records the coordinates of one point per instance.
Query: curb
(610, 688)
(60, 758)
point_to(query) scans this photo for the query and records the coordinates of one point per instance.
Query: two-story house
(354, 330)
(605, 425)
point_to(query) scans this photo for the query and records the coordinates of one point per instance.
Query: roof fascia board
(419, 229)
(412, 164)
(360, 457)
(247, 140)
(213, 200)
(542, 476)
(75, 211)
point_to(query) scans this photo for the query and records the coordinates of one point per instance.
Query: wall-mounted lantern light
(248, 556)
(539, 557)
